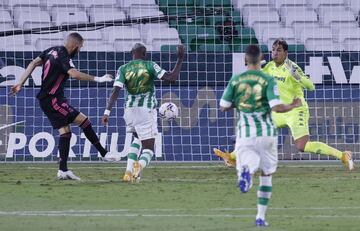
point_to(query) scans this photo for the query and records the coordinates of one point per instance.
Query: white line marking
(10, 125)
(99, 214)
(159, 166)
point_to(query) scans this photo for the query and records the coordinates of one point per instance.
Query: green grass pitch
(176, 197)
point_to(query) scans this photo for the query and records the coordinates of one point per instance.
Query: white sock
(264, 195)
(133, 154)
(145, 157)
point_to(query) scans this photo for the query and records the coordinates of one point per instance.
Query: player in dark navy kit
(57, 68)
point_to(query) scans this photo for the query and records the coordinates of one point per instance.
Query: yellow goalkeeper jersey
(289, 87)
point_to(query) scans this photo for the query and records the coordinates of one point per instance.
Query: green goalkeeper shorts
(297, 120)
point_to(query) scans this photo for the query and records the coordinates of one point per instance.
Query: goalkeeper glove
(292, 68)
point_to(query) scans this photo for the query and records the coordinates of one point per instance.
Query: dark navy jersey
(56, 64)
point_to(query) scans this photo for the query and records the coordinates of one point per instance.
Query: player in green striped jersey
(138, 78)
(254, 95)
(292, 81)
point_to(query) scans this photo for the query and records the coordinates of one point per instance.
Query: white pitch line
(10, 125)
(126, 210)
(159, 166)
(97, 214)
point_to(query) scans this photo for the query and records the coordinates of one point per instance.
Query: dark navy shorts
(58, 111)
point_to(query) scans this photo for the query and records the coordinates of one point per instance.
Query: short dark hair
(253, 53)
(76, 36)
(282, 42)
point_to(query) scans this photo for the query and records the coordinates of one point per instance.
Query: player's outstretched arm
(113, 97)
(173, 75)
(281, 108)
(29, 70)
(86, 77)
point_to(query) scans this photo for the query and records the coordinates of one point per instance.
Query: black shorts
(59, 112)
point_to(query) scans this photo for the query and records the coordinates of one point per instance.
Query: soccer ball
(168, 111)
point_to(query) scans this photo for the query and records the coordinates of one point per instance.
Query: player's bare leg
(228, 158)
(64, 146)
(145, 158)
(304, 144)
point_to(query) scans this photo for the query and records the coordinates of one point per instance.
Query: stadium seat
(167, 3)
(33, 39)
(29, 10)
(33, 19)
(336, 15)
(146, 29)
(354, 6)
(64, 4)
(316, 4)
(12, 3)
(136, 3)
(270, 34)
(207, 3)
(99, 14)
(144, 11)
(291, 15)
(70, 17)
(103, 3)
(121, 32)
(5, 20)
(240, 4)
(157, 38)
(289, 3)
(295, 48)
(14, 43)
(187, 33)
(169, 48)
(123, 37)
(213, 48)
(254, 16)
(318, 39)
(350, 39)
(44, 43)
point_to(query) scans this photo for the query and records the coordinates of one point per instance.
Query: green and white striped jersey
(253, 94)
(138, 77)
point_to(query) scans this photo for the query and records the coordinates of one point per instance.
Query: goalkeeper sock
(64, 147)
(321, 148)
(263, 194)
(92, 137)
(233, 155)
(145, 157)
(133, 154)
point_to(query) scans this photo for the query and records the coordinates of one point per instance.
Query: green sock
(133, 154)
(321, 148)
(145, 157)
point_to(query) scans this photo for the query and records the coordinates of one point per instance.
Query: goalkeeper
(292, 81)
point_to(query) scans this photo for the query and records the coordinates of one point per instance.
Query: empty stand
(100, 13)
(318, 39)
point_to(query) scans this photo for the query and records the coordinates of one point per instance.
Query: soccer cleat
(226, 157)
(347, 160)
(136, 172)
(127, 176)
(67, 175)
(245, 181)
(261, 223)
(111, 157)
